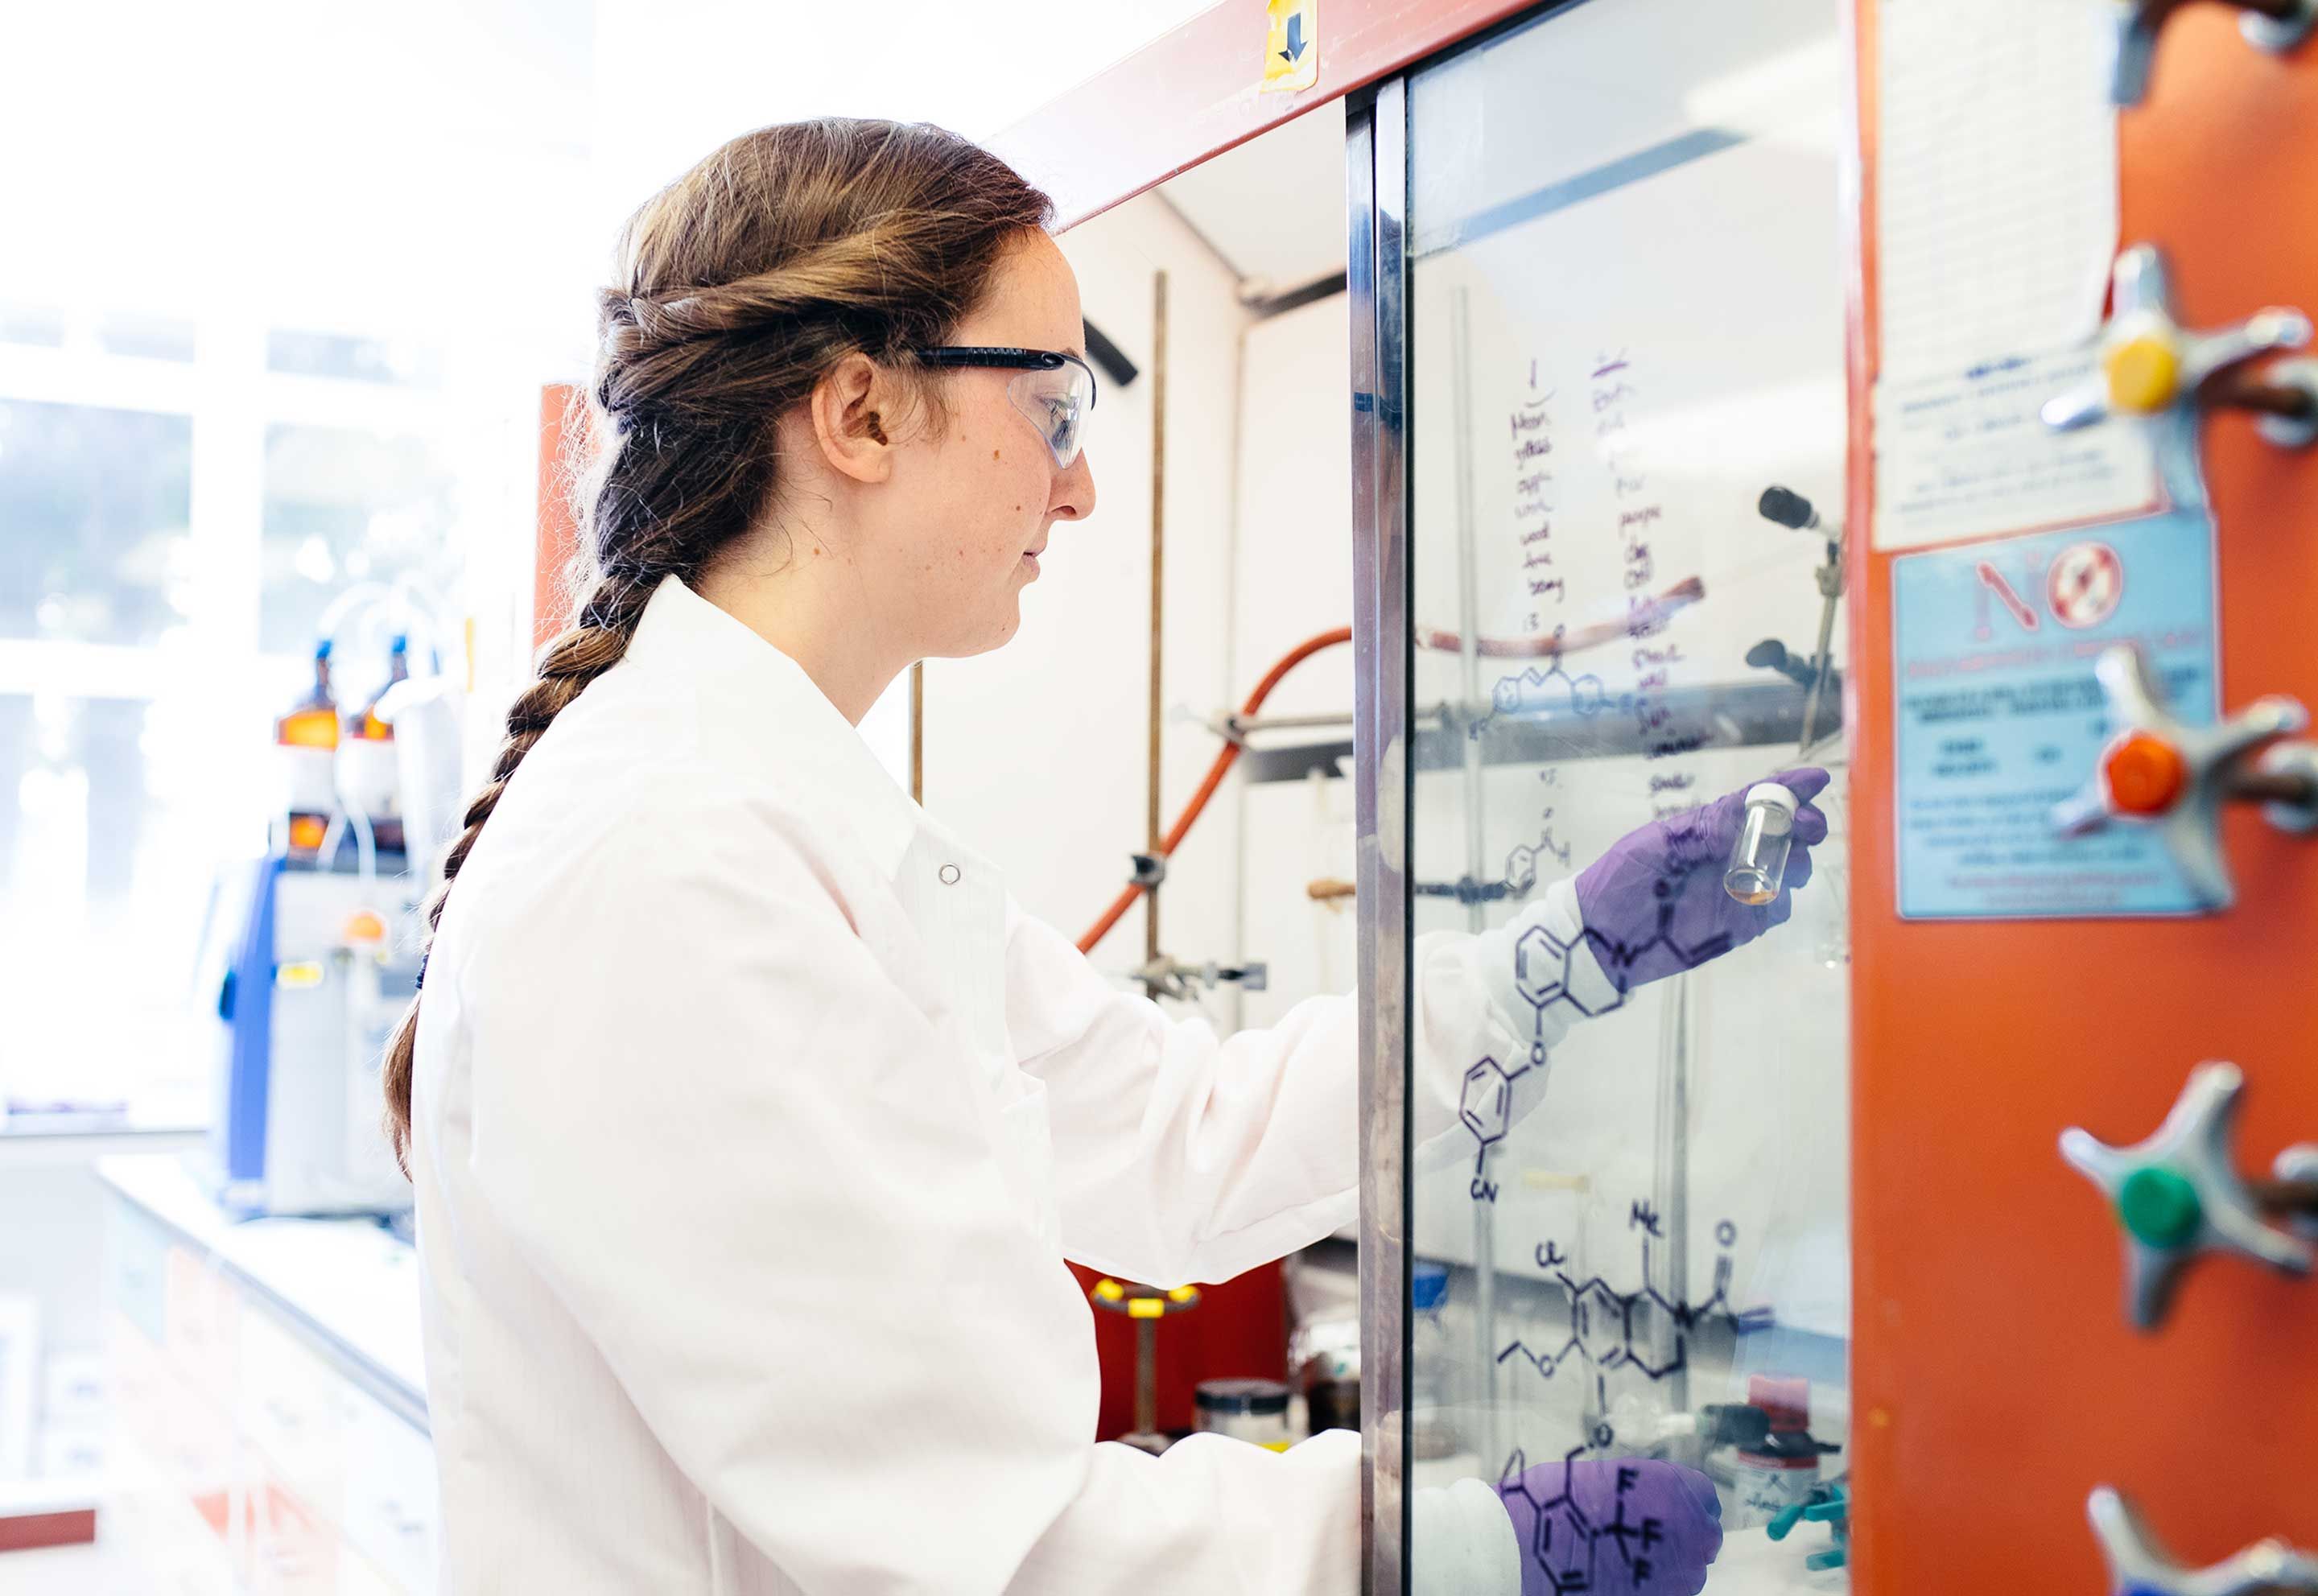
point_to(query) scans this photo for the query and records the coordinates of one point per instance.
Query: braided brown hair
(735, 289)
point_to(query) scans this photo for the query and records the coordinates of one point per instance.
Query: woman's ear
(846, 419)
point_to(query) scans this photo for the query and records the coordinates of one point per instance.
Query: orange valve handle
(2145, 774)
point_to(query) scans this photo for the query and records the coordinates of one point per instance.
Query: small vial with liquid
(1759, 861)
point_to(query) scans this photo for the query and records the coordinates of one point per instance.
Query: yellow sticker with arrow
(1291, 51)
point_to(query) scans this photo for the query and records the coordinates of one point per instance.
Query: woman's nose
(1073, 497)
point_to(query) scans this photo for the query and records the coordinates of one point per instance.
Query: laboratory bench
(268, 1388)
(270, 1396)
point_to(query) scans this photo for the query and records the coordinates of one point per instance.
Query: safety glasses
(1055, 391)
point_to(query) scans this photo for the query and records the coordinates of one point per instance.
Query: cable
(1215, 777)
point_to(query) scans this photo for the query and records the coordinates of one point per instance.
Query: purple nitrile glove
(1613, 1526)
(1654, 905)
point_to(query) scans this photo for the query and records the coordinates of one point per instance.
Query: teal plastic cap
(2160, 1208)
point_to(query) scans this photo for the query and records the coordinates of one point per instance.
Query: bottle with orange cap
(369, 779)
(306, 740)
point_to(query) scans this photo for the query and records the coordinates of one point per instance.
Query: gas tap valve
(2179, 1196)
(2157, 770)
(2275, 26)
(2140, 1565)
(2150, 363)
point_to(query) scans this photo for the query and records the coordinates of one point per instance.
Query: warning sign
(1999, 717)
(2087, 581)
(1291, 48)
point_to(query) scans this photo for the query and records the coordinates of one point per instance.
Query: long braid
(735, 289)
(574, 657)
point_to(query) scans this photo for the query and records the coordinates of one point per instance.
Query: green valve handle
(2160, 1207)
(2178, 1195)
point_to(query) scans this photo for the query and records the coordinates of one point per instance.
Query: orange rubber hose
(1649, 614)
(1215, 777)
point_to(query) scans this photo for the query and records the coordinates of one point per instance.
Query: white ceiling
(1274, 207)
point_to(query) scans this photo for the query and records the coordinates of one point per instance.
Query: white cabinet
(249, 1426)
(288, 1404)
(392, 1504)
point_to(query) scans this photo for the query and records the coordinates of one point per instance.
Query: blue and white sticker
(1998, 715)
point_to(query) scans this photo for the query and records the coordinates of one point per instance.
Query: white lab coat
(753, 1125)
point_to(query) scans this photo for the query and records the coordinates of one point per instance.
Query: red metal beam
(1192, 93)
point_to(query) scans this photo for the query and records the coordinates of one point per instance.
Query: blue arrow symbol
(1295, 50)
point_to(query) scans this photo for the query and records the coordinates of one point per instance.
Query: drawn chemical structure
(1692, 864)
(1532, 689)
(1583, 1553)
(1521, 863)
(1546, 973)
(1611, 1330)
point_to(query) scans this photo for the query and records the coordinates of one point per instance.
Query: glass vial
(1758, 863)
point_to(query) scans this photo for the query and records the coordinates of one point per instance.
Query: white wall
(1037, 753)
(1295, 581)
(677, 78)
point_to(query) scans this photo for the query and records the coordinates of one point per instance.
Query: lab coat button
(949, 875)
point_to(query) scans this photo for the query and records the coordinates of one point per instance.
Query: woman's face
(974, 490)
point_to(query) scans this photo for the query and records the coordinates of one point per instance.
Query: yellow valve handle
(1143, 1302)
(2143, 373)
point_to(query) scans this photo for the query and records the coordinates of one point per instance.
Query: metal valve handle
(2157, 770)
(2179, 1196)
(2275, 26)
(2150, 363)
(2140, 1565)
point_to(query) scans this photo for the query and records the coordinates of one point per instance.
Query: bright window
(280, 289)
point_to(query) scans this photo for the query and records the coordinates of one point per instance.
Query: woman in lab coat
(749, 1121)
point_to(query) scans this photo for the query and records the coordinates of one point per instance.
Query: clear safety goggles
(1054, 389)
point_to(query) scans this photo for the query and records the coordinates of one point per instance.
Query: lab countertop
(1754, 1564)
(347, 1286)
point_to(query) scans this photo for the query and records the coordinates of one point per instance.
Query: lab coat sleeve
(1180, 1156)
(763, 1183)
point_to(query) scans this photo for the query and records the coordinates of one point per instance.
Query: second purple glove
(1654, 905)
(1614, 1527)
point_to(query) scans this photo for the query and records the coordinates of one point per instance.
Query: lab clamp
(1171, 978)
(2157, 770)
(2140, 1565)
(1164, 977)
(1816, 676)
(2153, 366)
(2273, 26)
(2179, 1196)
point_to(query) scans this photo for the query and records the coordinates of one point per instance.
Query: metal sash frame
(1376, 195)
